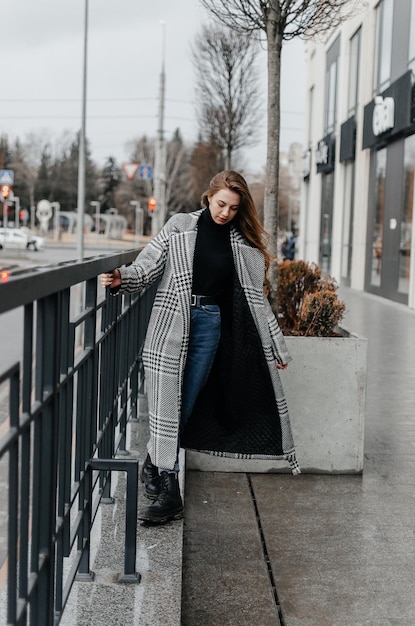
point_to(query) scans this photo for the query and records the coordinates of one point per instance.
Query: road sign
(130, 169)
(145, 171)
(6, 177)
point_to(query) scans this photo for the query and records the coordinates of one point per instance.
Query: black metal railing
(69, 400)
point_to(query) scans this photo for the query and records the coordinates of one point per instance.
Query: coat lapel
(249, 262)
(182, 249)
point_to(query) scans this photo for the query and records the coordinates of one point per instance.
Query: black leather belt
(202, 300)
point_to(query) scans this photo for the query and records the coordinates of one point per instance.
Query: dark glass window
(411, 57)
(407, 216)
(377, 233)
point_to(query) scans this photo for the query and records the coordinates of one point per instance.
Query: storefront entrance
(391, 197)
(327, 199)
(388, 131)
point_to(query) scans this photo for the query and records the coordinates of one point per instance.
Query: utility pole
(81, 162)
(159, 190)
(97, 206)
(139, 219)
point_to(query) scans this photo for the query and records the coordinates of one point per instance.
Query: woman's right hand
(111, 279)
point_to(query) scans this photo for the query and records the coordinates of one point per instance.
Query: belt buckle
(193, 300)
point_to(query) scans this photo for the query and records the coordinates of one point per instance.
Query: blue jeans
(204, 338)
(203, 343)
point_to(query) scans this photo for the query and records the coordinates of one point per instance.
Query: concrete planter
(325, 386)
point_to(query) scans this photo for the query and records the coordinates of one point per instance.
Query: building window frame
(411, 48)
(354, 71)
(383, 45)
(331, 87)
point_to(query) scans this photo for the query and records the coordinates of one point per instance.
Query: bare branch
(295, 18)
(242, 16)
(227, 88)
(308, 18)
(278, 20)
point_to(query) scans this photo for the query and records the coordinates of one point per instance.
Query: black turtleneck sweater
(213, 260)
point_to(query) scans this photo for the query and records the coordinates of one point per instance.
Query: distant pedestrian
(213, 347)
(288, 246)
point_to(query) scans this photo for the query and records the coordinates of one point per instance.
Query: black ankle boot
(149, 475)
(168, 504)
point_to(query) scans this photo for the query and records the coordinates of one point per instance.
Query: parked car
(16, 238)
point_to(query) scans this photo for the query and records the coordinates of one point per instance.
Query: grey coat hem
(290, 457)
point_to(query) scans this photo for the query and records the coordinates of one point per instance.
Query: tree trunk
(271, 213)
(228, 158)
(271, 209)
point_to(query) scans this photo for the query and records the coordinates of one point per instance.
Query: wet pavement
(278, 550)
(156, 599)
(339, 549)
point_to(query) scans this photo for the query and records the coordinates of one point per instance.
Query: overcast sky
(41, 47)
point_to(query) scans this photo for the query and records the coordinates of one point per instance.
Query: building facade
(358, 172)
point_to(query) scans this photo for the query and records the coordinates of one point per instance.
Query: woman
(213, 347)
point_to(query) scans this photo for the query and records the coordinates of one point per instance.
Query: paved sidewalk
(341, 548)
(277, 550)
(156, 600)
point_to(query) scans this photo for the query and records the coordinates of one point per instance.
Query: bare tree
(34, 146)
(227, 88)
(177, 174)
(278, 21)
(206, 160)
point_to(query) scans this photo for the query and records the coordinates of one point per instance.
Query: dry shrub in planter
(307, 302)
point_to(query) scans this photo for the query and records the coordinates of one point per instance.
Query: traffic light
(152, 202)
(22, 214)
(4, 276)
(5, 191)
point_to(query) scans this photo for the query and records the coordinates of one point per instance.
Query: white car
(16, 238)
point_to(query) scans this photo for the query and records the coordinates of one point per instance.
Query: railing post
(130, 466)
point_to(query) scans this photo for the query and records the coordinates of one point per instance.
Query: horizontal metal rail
(69, 400)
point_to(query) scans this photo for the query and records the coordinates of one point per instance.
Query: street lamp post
(6, 204)
(16, 201)
(81, 163)
(97, 206)
(160, 150)
(57, 207)
(138, 219)
(32, 217)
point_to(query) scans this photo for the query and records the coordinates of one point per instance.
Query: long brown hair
(247, 217)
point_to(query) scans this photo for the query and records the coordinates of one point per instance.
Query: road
(11, 345)
(11, 322)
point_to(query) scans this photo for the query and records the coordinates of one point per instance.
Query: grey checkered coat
(169, 257)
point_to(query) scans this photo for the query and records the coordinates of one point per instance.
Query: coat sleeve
(280, 349)
(149, 264)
